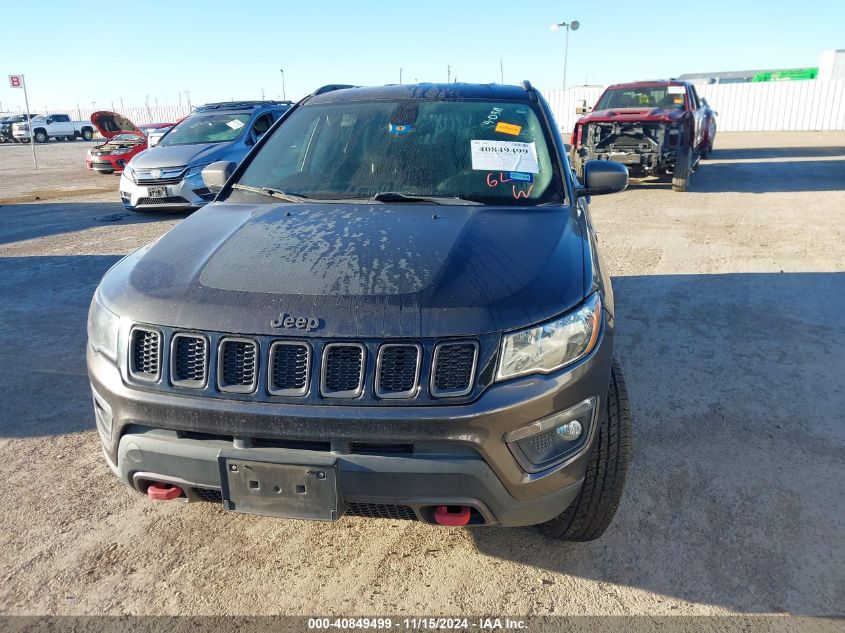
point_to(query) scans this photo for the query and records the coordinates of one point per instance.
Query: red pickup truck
(655, 128)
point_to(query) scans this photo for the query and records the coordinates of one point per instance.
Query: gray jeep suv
(394, 307)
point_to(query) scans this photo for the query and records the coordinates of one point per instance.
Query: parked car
(651, 127)
(58, 126)
(6, 126)
(167, 176)
(393, 308)
(124, 140)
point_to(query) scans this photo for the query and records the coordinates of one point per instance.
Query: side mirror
(582, 108)
(603, 176)
(216, 174)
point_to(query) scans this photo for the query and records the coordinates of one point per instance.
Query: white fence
(138, 115)
(743, 107)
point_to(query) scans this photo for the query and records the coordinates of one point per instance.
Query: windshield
(488, 152)
(206, 128)
(651, 97)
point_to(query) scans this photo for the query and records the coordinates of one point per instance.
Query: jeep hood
(111, 124)
(380, 270)
(180, 155)
(634, 115)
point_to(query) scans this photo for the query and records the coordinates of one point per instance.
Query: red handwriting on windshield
(521, 193)
(494, 182)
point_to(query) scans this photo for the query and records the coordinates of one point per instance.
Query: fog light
(571, 431)
(550, 440)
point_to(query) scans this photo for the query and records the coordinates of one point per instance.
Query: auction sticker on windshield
(504, 156)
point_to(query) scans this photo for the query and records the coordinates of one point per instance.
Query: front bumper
(189, 193)
(457, 454)
(637, 161)
(105, 164)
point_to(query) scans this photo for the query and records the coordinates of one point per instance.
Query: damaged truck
(654, 128)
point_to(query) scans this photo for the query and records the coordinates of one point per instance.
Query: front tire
(683, 169)
(590, 514)
(87, 134)
(41, 136)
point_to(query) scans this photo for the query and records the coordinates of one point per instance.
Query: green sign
(789, 74)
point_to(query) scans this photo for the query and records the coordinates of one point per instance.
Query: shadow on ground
(28, 221)
(745, 153)
(736, 385)
(42, 342)
(762, 170)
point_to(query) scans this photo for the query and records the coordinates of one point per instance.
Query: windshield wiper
(395, 196)
(272, 193)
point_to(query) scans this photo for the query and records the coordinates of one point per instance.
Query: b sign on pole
(18, 81)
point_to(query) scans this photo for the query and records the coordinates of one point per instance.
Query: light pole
(569, 26)
(284, 94)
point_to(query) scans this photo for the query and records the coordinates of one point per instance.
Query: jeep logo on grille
(289, 322)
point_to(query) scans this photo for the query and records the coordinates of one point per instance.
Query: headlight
(103, 326)
(129, 173)
(193, 171)
(549, 347)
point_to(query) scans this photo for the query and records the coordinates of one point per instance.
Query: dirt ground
(731, 332)
(61, 172)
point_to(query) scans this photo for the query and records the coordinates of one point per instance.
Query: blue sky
(220, 50)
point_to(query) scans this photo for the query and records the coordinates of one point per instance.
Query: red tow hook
(159, 491)
(443, 516)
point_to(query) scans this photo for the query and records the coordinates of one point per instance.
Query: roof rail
(239, 105)
(330, 88)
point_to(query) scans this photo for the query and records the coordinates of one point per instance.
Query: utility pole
(29, 122)
(448, 73)
(569, 26)
(400, 76)
(284, 93)
(501, 71)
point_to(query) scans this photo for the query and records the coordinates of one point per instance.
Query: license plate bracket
(157, 192)
(280, 489)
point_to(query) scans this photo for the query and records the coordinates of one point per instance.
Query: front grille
(290, 366)
(343, 370)
(159, 181)
(160, 201)
(454, 368)
(189, 361)
(145, 354)
(398, 371)
(272, 369)
(381, 511)
(237, 365)
(208, 495)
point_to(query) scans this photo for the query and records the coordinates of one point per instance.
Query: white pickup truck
(58, 126)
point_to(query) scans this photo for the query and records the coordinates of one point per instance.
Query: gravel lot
(731, 332)
(61, 172)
